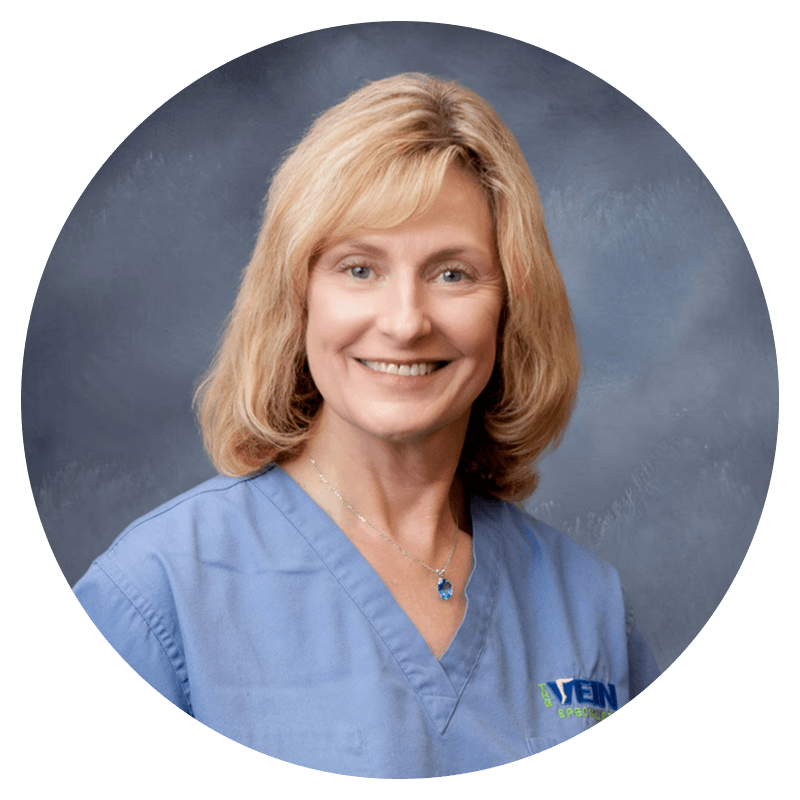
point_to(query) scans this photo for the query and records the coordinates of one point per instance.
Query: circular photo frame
(665, 467)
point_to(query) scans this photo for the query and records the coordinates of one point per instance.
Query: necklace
(443, 586)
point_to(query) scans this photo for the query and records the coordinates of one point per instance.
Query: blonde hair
(374, 160)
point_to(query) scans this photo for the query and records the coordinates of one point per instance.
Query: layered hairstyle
(373, 161)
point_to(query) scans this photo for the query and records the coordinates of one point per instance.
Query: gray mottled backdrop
(666, 465)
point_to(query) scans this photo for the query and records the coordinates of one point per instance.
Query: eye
(357, 268)
(452, 274)
(359, 271)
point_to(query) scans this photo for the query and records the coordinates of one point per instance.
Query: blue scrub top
(245, 605)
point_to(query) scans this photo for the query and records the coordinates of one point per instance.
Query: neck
(407, 489)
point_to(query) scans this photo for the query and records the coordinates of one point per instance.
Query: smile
(421, 368)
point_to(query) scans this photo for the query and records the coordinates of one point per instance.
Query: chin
(405, 436)
(395, 433)
(408, 429)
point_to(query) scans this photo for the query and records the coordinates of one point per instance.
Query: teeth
(423, 368)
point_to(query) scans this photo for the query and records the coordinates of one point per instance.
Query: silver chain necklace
(443, 586)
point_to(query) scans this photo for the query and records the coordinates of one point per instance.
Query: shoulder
(541, 559)
(187, 552)
(197, 517)
(523, 533)
(570, 588)
(141, 591)
(217, 495)
(220, 522)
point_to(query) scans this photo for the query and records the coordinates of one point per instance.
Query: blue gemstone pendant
(445, 589)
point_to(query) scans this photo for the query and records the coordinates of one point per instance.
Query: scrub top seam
(139, 611)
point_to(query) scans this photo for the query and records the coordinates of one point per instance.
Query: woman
(358, 595)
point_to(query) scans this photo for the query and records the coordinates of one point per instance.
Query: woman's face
(403, 321)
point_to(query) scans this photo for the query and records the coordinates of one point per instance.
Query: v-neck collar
(438, 683)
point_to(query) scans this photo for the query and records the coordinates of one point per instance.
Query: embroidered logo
(603, 696)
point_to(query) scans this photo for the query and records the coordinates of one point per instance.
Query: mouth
(393, 368)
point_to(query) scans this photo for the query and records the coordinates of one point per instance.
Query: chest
(414, 588)
(333, 678)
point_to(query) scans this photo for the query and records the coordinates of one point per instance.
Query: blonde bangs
(386, 196)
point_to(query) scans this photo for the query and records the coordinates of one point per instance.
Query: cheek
(334, 321)
(316, 338)
(319, 351)
(479, 330)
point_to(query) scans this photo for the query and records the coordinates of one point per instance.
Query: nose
(403, 315)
